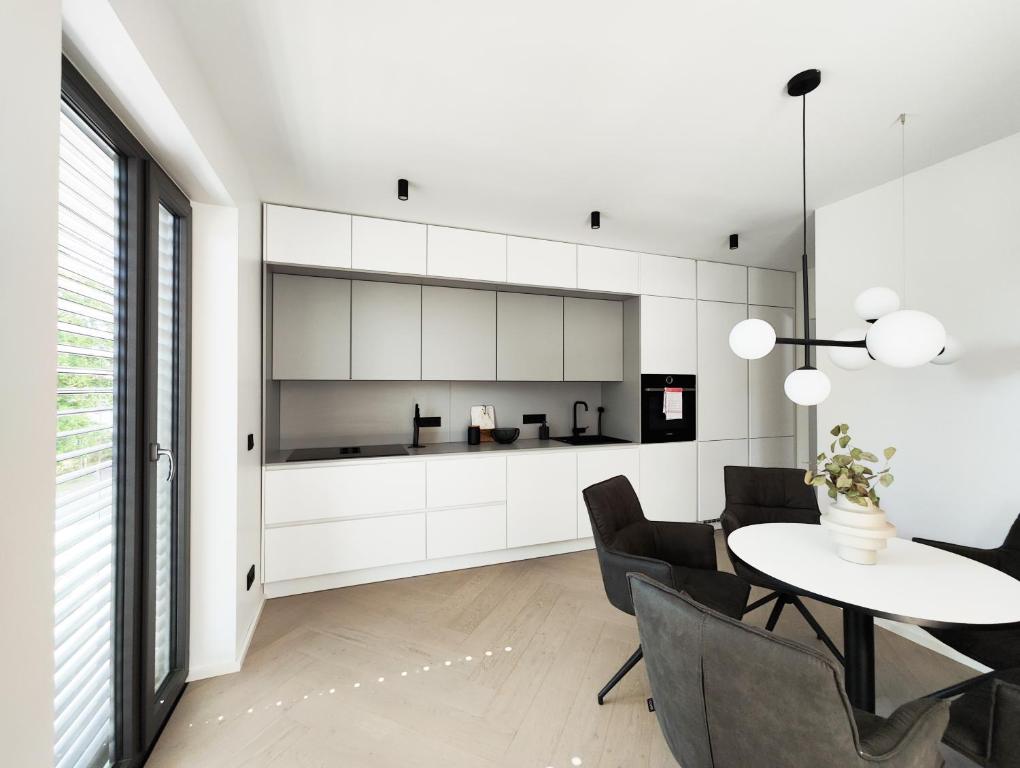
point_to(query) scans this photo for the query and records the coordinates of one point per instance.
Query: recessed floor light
(508, 649)
(426, 668)
(575, 760)
(250, 710)
(403, 674)
(219, 719)
(447, 663)
(488, 653)
(381, 679)
(279, 703)
(468, 658)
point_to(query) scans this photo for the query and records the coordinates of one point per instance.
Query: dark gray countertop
(442, 449)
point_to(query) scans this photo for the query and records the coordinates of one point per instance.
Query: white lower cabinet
(598, 465)
(541, 498)
(712, 457)
(465, 530)
(298, 551)
(669, 481)
(301, 494)
(462, 482)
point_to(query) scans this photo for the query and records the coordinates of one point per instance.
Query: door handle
(156, 452)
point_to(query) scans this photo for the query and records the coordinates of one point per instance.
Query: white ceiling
(669, 117)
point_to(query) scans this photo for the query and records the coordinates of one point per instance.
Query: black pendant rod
(808, 343)
(804, 259)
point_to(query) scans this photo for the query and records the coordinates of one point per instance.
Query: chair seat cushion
(968, 717)
(720, 591)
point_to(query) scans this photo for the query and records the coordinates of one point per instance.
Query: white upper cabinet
(311, 327)
(722, 282)
(541, 262)
(668, 276)
(712, 457)
(466, 254)
(771, 412)
(669, 481)
(722, 376)
(771, 287)
(669, 335)
(303, 236)
(596, 466)
(385, 331)
(607, 269)
(529, 337)
(383, 245)
(592, 340)
(458, 334)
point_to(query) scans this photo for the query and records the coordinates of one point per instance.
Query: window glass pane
(87, 338)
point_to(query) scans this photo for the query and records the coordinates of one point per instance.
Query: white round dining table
(912, 583)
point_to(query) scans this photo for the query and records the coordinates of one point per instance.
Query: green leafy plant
(848, 474)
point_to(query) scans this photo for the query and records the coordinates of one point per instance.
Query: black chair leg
(628, 665)
(759, 603)
(776, 610)
(819, 632)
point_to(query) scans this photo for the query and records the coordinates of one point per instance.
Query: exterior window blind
(87, 378)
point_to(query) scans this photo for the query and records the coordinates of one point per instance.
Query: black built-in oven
(655, 427)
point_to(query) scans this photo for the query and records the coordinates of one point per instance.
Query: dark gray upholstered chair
(771, 495)
(728, 695)
(995, 648)
(984, 723)
(681, 555)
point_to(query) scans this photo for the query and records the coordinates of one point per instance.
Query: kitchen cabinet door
(668, 276)
(541, 498)
(771, 287)
(773, 452)
(465, 530)
(458, 334)
(771, 412)
(592, 340)
(722, 376)
(712, 457)
(311, 327)
(385, 331)
(669, 335)
(529, 337)
(384, 245)
(304, 236)
(722, 282)
(608, 269)
(541, 262)
(467, 254)
(597, 464)
(669, 481)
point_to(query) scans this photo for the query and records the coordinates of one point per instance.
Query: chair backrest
(727, 694)
(767, 495)
(1013, 537)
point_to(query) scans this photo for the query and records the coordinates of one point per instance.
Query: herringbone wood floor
(310, 691)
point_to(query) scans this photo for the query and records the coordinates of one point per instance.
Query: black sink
(589, 440)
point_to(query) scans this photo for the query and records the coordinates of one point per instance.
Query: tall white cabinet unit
(596, 466)
(712, 457)
(529, 337)
(669, 481)
(669, 335)
(385, 331)
(722, 376)
(458, 334)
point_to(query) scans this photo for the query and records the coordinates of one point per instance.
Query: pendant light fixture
(901, 338)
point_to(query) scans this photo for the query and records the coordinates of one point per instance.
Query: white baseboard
(232, 665)
(915, 634)
(405, 570)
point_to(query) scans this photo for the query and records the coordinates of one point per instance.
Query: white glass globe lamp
(751, 339)
(952, 352)
(850, 358)
(906, 338)
(807, 386)
(876, 302)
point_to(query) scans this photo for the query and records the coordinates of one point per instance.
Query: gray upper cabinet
(458, 334)
(592, 340)
(529, 337)
(385, 330)
(311, 327)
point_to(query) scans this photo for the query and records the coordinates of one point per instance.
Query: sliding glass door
(121, 440)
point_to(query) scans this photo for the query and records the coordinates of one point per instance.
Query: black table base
(859, 652)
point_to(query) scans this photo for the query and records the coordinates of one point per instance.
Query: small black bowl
(505, 435)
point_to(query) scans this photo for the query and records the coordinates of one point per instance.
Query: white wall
(133, 53)
(955, 426)
(30, 83)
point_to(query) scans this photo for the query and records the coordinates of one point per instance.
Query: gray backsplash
(326, 413)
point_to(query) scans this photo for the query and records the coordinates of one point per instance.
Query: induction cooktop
(347, 452)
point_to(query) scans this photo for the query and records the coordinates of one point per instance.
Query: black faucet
(578, 430)
(423, 421)
(601, 410)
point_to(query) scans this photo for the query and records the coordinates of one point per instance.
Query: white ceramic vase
(859, 532)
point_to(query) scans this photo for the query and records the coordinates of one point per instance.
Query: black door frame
(136, 724)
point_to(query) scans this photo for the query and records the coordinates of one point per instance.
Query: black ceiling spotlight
(596, 219)
(734, 242)
(401, 189)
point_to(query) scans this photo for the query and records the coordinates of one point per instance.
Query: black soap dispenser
(537, 418)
